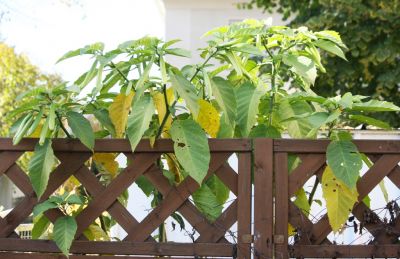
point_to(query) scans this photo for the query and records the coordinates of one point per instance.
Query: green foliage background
(17, 75)
(370, 29)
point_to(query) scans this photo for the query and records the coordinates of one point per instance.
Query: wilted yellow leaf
(208, 118)
(340, 199)
(96, 233)
(174, 167)
(119, 111)
(107, 162)
(159, 102)
(301, 202)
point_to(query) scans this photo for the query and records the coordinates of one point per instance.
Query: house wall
(189, 20)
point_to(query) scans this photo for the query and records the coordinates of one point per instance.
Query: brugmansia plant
(256, 80)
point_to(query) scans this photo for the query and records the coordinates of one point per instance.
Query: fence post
(263, 198)
(244, 206)
(281, 176)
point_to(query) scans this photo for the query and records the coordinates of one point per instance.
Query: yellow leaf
(291, 230)
(119, 111)
(174, 167)
(37, 131)
(159, 102)
(339, 198)
(208, 118)
(96, 233)
(69, 186)
(107, 162)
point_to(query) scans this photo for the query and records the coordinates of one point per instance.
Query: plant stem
(119, 71)
(62, 126)
(168, 111)
(314, 189)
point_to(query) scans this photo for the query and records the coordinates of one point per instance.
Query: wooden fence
(252, 225)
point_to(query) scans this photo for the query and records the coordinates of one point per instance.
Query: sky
(44, 30)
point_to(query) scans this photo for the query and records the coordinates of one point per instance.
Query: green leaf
(264, 131)
(141, 83)
(187, 91)
(89, 49)
(375, 106)
(145, 185)
(370, 121)
(207, 202)
(220, 190)
(300, 127)
(23, 128)
(103, 116)
(302, 66)
(40, 225)
(36, 123)
(330, 47)
(224, 94)
(40, 166)
(191, 148)
(225, 130)
(64, 232)
(52, 116)
(247, 48)
(301, 201)
(81, 128)
(43, 207)
(345, 161)
(247, 99)
(139, 119)
(179, 52)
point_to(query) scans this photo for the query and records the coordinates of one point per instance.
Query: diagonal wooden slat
(139, 163)
(307, 168)
(172, 201)
(116, 210)
(189, 211)
(7, 159)
(69, 164)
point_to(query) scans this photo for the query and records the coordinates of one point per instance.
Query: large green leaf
(187, 91)
(370, 121)
(299, 127)
(375, 106)
(330, 47)
(302, 66)
(139, 119)
(103, 116)
(224, 94)
(89, 49)
(345, 161)
(81, 128)
(247, 99)
(43, 207)
(40, 226)
(191, 148)
(220, 190)
(206, 201)
(64, 232)
(264, 131)
(40, 166)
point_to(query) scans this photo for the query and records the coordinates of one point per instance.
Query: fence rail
(267, 203)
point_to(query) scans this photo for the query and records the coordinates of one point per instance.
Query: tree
(369, 29)
(17, 75)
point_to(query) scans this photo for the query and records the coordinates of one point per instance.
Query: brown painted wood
(281, 205)
(7, 160)
(208, 232)
(244, 206)
(349, 251)
(263, 198)
(139, 163)
(8, 255)
(319, 146)
(172, 201)
(116, 210)
(120, 248)
(307, 168)
(123, 146)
